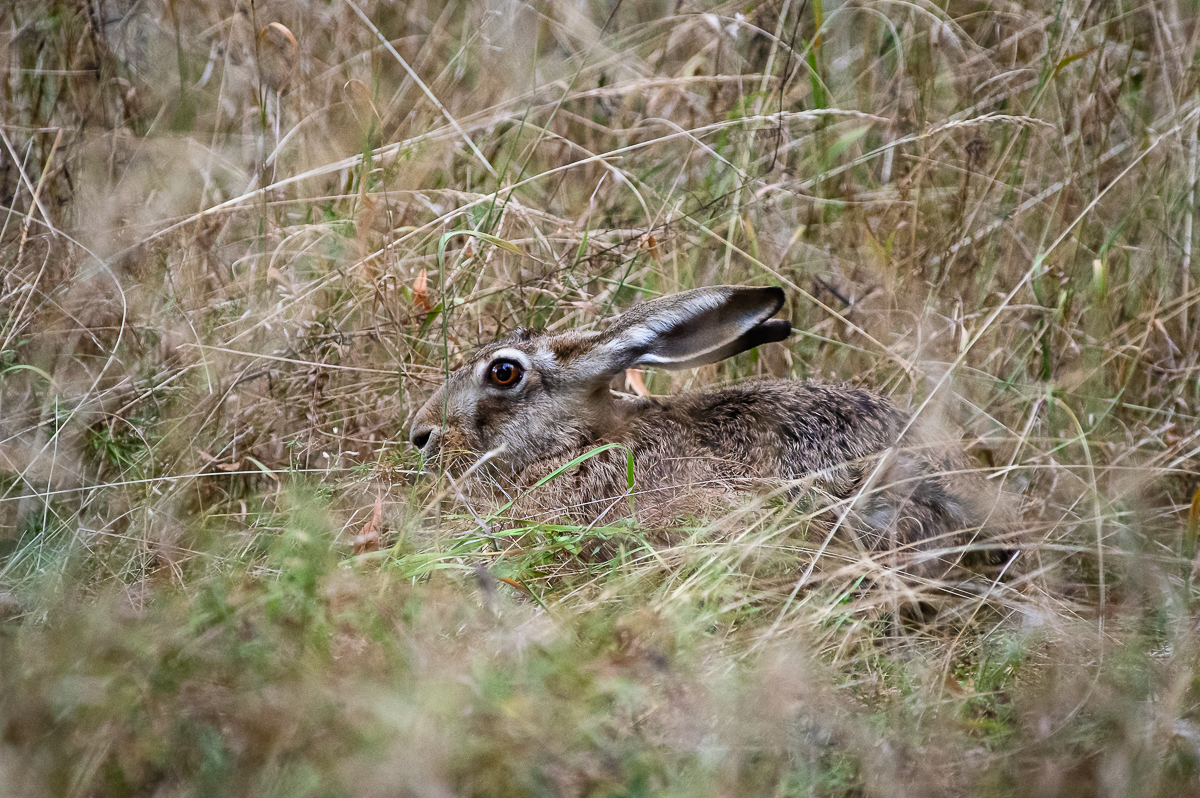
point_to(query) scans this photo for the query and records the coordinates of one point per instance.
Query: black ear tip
(775, 330)
(772, 295)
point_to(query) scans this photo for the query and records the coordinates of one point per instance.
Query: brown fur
(691, 453)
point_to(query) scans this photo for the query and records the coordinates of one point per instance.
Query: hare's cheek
(493, 418)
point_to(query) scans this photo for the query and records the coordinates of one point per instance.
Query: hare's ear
(694, 328)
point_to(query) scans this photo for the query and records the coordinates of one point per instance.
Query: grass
(243, 242)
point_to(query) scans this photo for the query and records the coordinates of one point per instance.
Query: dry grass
(233, 265)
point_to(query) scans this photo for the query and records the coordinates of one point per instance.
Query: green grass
(227, 285)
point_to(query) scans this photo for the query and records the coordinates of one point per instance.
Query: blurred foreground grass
(243, 241)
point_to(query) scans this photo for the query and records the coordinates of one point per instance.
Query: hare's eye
(505, 373)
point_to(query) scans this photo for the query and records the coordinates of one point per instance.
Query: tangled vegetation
(243, 240)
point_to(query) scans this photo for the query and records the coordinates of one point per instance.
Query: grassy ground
(243, 241)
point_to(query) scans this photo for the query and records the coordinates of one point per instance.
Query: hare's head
(535, 395)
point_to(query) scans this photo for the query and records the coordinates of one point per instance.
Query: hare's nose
(421, 436)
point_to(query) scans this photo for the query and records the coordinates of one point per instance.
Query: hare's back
(780, 427)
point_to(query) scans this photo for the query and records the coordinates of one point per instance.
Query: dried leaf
(364, 222)
(420, 292)
(514, 583)
(651, 245)
(278, 54)
(633, 379)
(367, 541)
(470, 249)
(952, 685)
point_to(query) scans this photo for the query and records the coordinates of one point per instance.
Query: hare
(523, 407)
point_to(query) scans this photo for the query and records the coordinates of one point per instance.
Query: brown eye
(505, 373)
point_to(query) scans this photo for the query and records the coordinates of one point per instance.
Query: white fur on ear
(638, 337)
(698, 327)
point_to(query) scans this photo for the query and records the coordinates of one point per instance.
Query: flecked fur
(692, 453)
